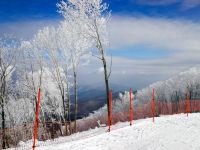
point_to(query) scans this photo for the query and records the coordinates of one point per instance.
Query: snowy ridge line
(174, 88)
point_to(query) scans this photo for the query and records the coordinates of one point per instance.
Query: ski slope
(177, 132)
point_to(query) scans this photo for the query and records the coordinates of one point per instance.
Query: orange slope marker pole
(153, 104)
(131, 109)
(111, 107)
(36, 120)
(110, 110)
(187, 103)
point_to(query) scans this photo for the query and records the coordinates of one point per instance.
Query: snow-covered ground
(177, 132)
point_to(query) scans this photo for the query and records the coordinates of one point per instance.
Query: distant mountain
(93, 98)
(173, 89)
(169, 90)
(86, 93)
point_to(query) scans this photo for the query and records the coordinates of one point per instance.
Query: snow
(188, 80)
(165, 90)
(167, 133)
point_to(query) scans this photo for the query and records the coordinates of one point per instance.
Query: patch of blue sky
(17, 10)
(174, 10)
(141, 52)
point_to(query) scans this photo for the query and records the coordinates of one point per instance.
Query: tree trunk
(68, 102)
(3, 125)
(69, 109)
(63, 100)
(106, 76)
(107, 85)
(76, 100)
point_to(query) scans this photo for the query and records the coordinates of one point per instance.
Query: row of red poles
(131, 107)
(110, 109)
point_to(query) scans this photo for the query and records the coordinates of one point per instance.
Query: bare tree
(47, 41)
(92, 16)
(30, 63)
(74, 46)
(8, 53)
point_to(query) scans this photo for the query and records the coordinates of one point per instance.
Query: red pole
(176, 102)
(187, 103)
(36, 120)
(131, 109)
(110, 109)
(153, 105)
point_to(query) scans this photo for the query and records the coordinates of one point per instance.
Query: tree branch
(97, 57)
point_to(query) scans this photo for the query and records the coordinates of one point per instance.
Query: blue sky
(156, 8)
(16, 10)
(150, 39)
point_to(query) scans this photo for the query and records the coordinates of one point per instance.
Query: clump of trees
(50, 61)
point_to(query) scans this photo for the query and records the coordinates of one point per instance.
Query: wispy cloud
(157, 2)
(167, 34)
(184, 4)
(188, 4)
(26, 29)
(178, 37)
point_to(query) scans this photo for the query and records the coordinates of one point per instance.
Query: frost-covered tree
(8, 54)
(63, 34)
(92, 16)
(31, 62)
(75, 45)
(47, 43)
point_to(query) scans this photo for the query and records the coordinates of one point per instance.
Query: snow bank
(167, 133)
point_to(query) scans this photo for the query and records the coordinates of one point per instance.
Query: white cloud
(184, 4)
(100, 70)
(172, 35)
(157, 2)
(25, 29)
(188, 4)
(181, 38)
